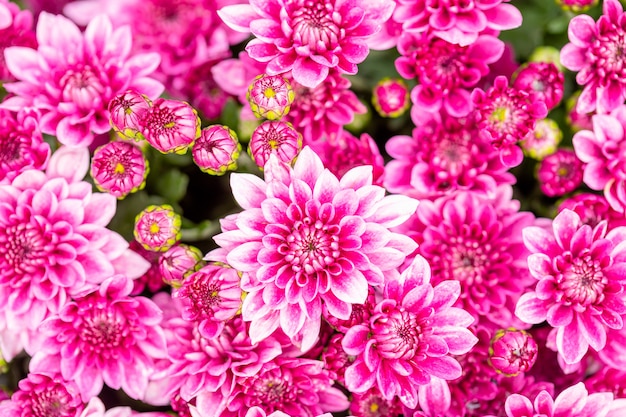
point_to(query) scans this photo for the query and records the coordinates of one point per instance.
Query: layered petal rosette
(411, 337)
(305, 238)
(581, 274)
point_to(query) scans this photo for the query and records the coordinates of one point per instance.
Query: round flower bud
(512, 352)
(170, 126)
(547, 54)
(216, 150)
(543, 140)
(560, 173)
(274, 137)
(157, 228)
(119, 168)
(126, 109)
(178, 262)
(391, 97)
(270, 96)
(576, 6)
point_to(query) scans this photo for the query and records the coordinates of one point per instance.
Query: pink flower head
(170, 126)
(15, 30)
(308, 37)
(543, 140)
(216, 150)
(505, 115)
(211, 296)
(443, 155)
(512, 351)
(592, 53)
(21, 144)
(125, 111)
(119, 168)
(70, 89)
(270, 96)
(580, 274)
(455, 21)
(274, 137)
(410, 337)
(601, 150)
(544, 80)
(390, 97)
(157, 228)
(592, 209)
(576, 6)
(445, 71)
(560, 173)
(178, 262)
(105, 336)
(575, 401)
(306, 237)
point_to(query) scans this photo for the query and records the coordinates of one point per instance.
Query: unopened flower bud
(178, 262)
(119, 168)
(170, 126)
(576, 6)
(126, 109)
(274, 137)
(270, 96)
(391, 97)
(157, 228)
(560, 173)
(512, 351)
(543, 140)
(216, 150)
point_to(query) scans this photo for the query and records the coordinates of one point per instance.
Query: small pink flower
(580, 273)
(270, 96)
(274, 137)
(390, 97)
(592, 209)
(119, 168)
(178, 262)
(308, 37)
(592, 53)
(170, 126)
(543, 140)
(544, 80)
(125, 110)
(560, 173)
(512, 351)
(216, 150)
(157, 228)
(16, 29)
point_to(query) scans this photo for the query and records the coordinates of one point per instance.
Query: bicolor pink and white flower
(16, 29)
(70, 88)
(305, 238)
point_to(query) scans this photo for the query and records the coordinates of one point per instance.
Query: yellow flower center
(154, 228)
(269, 92)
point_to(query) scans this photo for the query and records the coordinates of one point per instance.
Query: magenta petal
(518, 405)
(571, 401)
(582, 30)
(308, 72)
(573, 58)
(530, 309)
(238, 16)
(244, 257)
(571, 343)
(444, 367)
(248, 190)
(504, 17)
(593, 330)
(358, 377)
(565, 225)
(355, 340)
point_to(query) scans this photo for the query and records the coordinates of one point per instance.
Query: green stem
(202, 231)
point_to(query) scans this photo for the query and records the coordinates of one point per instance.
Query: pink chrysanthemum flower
(15, 30)
(445, 72)
(544, 80)
(580, 270)
(44, 395)
(476, 240)
(575, 401)
(216, 150)
(372, 404)
(443, 155)
(54, 242)
(178, 262)
(592, 209)
(505, 115)
(335, 359)
(543, 140)
(390, 97)
(594, 52)
(119, 168)
(69, 89)
(605, 167)
(170, 126)
(106, 337)
(21, 145)
(211, 296)
(560, 173)
(125, 110)
(306, 237)
(512, 351)
(157, 228)
(308, 37)
(270, 96)
(576, 6)
(410, 337)
(274, 137)
(458, 22)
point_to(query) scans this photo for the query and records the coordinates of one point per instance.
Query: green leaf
(172, 185)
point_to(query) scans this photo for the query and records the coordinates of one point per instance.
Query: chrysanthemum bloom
(575, 401)
(344, 152)
(157, 228)
(599, 149)
(592, 209)
(608, 379)
(457, 22)
(411, 336)
(170, 126)
(543, 140)
(270, 96)
(505, 115)
(21, 145)
(125, 111)
(544, 80)
(560, 173)
(274, 137)
(593, 52)
(15, 30)
(308, 37)
(69, 88)
(178, 262)
(476, 240)
(580, 270)
(54, 242)
(445, 72)
(44, 395)
(576, 6)
(119, 168)
(216, 150)
(512, 351)
(306, 237)
(211, 296)
(390, 97)
(335, 359)
(444, 154)
(372, 404)
(321, 112)
(106, 337)
(577, 121)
